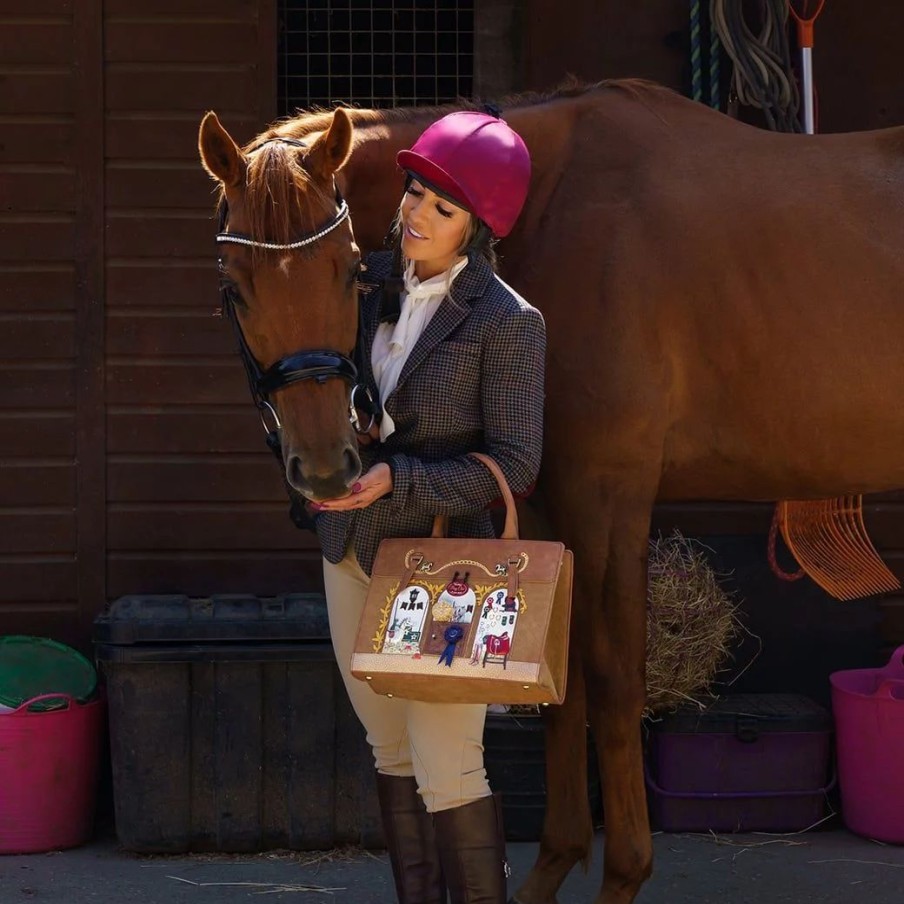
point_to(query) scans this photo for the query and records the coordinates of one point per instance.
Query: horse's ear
(220, 155)
(329, 153)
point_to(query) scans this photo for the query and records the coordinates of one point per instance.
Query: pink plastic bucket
(869, 724)
(48, 775)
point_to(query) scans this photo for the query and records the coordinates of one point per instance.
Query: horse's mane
(319, 118)
(276, 177)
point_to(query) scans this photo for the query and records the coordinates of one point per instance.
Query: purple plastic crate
(750, 762)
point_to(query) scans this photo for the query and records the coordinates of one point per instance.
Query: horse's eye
(354, 272)
(231, 291)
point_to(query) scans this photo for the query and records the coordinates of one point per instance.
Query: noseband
(319, 365)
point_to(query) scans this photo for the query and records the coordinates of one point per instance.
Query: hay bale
(691, 624)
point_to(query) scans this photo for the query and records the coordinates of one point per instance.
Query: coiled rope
(777, 569)
(714, 52)
(762, 61)
(715, 74)
(696, 53)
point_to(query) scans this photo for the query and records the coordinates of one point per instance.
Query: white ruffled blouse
(393, 342)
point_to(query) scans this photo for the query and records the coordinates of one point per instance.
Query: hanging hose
(762, 62)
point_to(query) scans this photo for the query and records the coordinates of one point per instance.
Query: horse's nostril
(294, 474)
(352, 463)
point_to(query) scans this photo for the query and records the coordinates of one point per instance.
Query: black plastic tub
(515, 759)
(230, 729)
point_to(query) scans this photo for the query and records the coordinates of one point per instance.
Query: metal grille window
(374, 53)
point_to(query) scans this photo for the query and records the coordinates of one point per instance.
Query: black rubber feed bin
(515, 760)
(230, 729)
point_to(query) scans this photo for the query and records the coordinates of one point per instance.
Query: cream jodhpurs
(441, 744)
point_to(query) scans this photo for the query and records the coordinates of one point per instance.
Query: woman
(458, 367)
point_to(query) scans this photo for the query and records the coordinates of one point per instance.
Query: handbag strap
(510, 529)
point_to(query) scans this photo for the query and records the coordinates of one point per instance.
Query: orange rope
(777, 570)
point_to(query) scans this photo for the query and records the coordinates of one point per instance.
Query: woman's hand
(377, 482)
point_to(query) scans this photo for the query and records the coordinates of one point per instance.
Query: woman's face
(433, 230)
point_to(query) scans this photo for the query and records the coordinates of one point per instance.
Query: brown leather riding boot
(471, 846)
(411, 842)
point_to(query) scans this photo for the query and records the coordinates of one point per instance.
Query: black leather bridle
(315, 364)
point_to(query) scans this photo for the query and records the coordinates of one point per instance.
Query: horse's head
(288, 266)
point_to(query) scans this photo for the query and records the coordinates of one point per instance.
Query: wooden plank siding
(89, 267)
(195, 503)
(111, 356)
(39, 217)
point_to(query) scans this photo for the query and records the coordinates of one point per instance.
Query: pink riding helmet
(477, 160)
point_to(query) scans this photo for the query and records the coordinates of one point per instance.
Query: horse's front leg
(614, 665)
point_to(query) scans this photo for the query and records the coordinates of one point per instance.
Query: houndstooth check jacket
(473, 382)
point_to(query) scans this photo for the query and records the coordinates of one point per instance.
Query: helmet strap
(481, 238)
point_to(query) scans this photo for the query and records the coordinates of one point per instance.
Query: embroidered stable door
(460, 620)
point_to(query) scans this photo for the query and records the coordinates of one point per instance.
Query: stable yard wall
(194, 499)
(50, 289)
(130, 457)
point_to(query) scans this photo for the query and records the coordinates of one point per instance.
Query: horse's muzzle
(318, 484)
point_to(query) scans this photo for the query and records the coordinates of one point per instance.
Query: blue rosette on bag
(452, 635)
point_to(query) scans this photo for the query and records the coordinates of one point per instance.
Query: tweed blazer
(473, 382)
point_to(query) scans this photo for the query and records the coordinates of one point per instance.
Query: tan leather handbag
(468, 621)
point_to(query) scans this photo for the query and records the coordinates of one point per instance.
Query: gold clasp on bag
(519, 563)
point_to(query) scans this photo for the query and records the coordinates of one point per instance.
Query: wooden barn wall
(111, 355)
(194, 500)
(49, 280)
(856, 55)
(113, 361)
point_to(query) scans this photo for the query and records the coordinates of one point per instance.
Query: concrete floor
(824, 867)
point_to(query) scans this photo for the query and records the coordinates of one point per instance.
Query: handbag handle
(510, 530)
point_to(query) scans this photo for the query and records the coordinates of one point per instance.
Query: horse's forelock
(282, 201)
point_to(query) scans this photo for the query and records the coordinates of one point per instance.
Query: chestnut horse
(724, 318)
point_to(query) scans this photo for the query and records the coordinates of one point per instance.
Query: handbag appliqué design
(417, 619)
